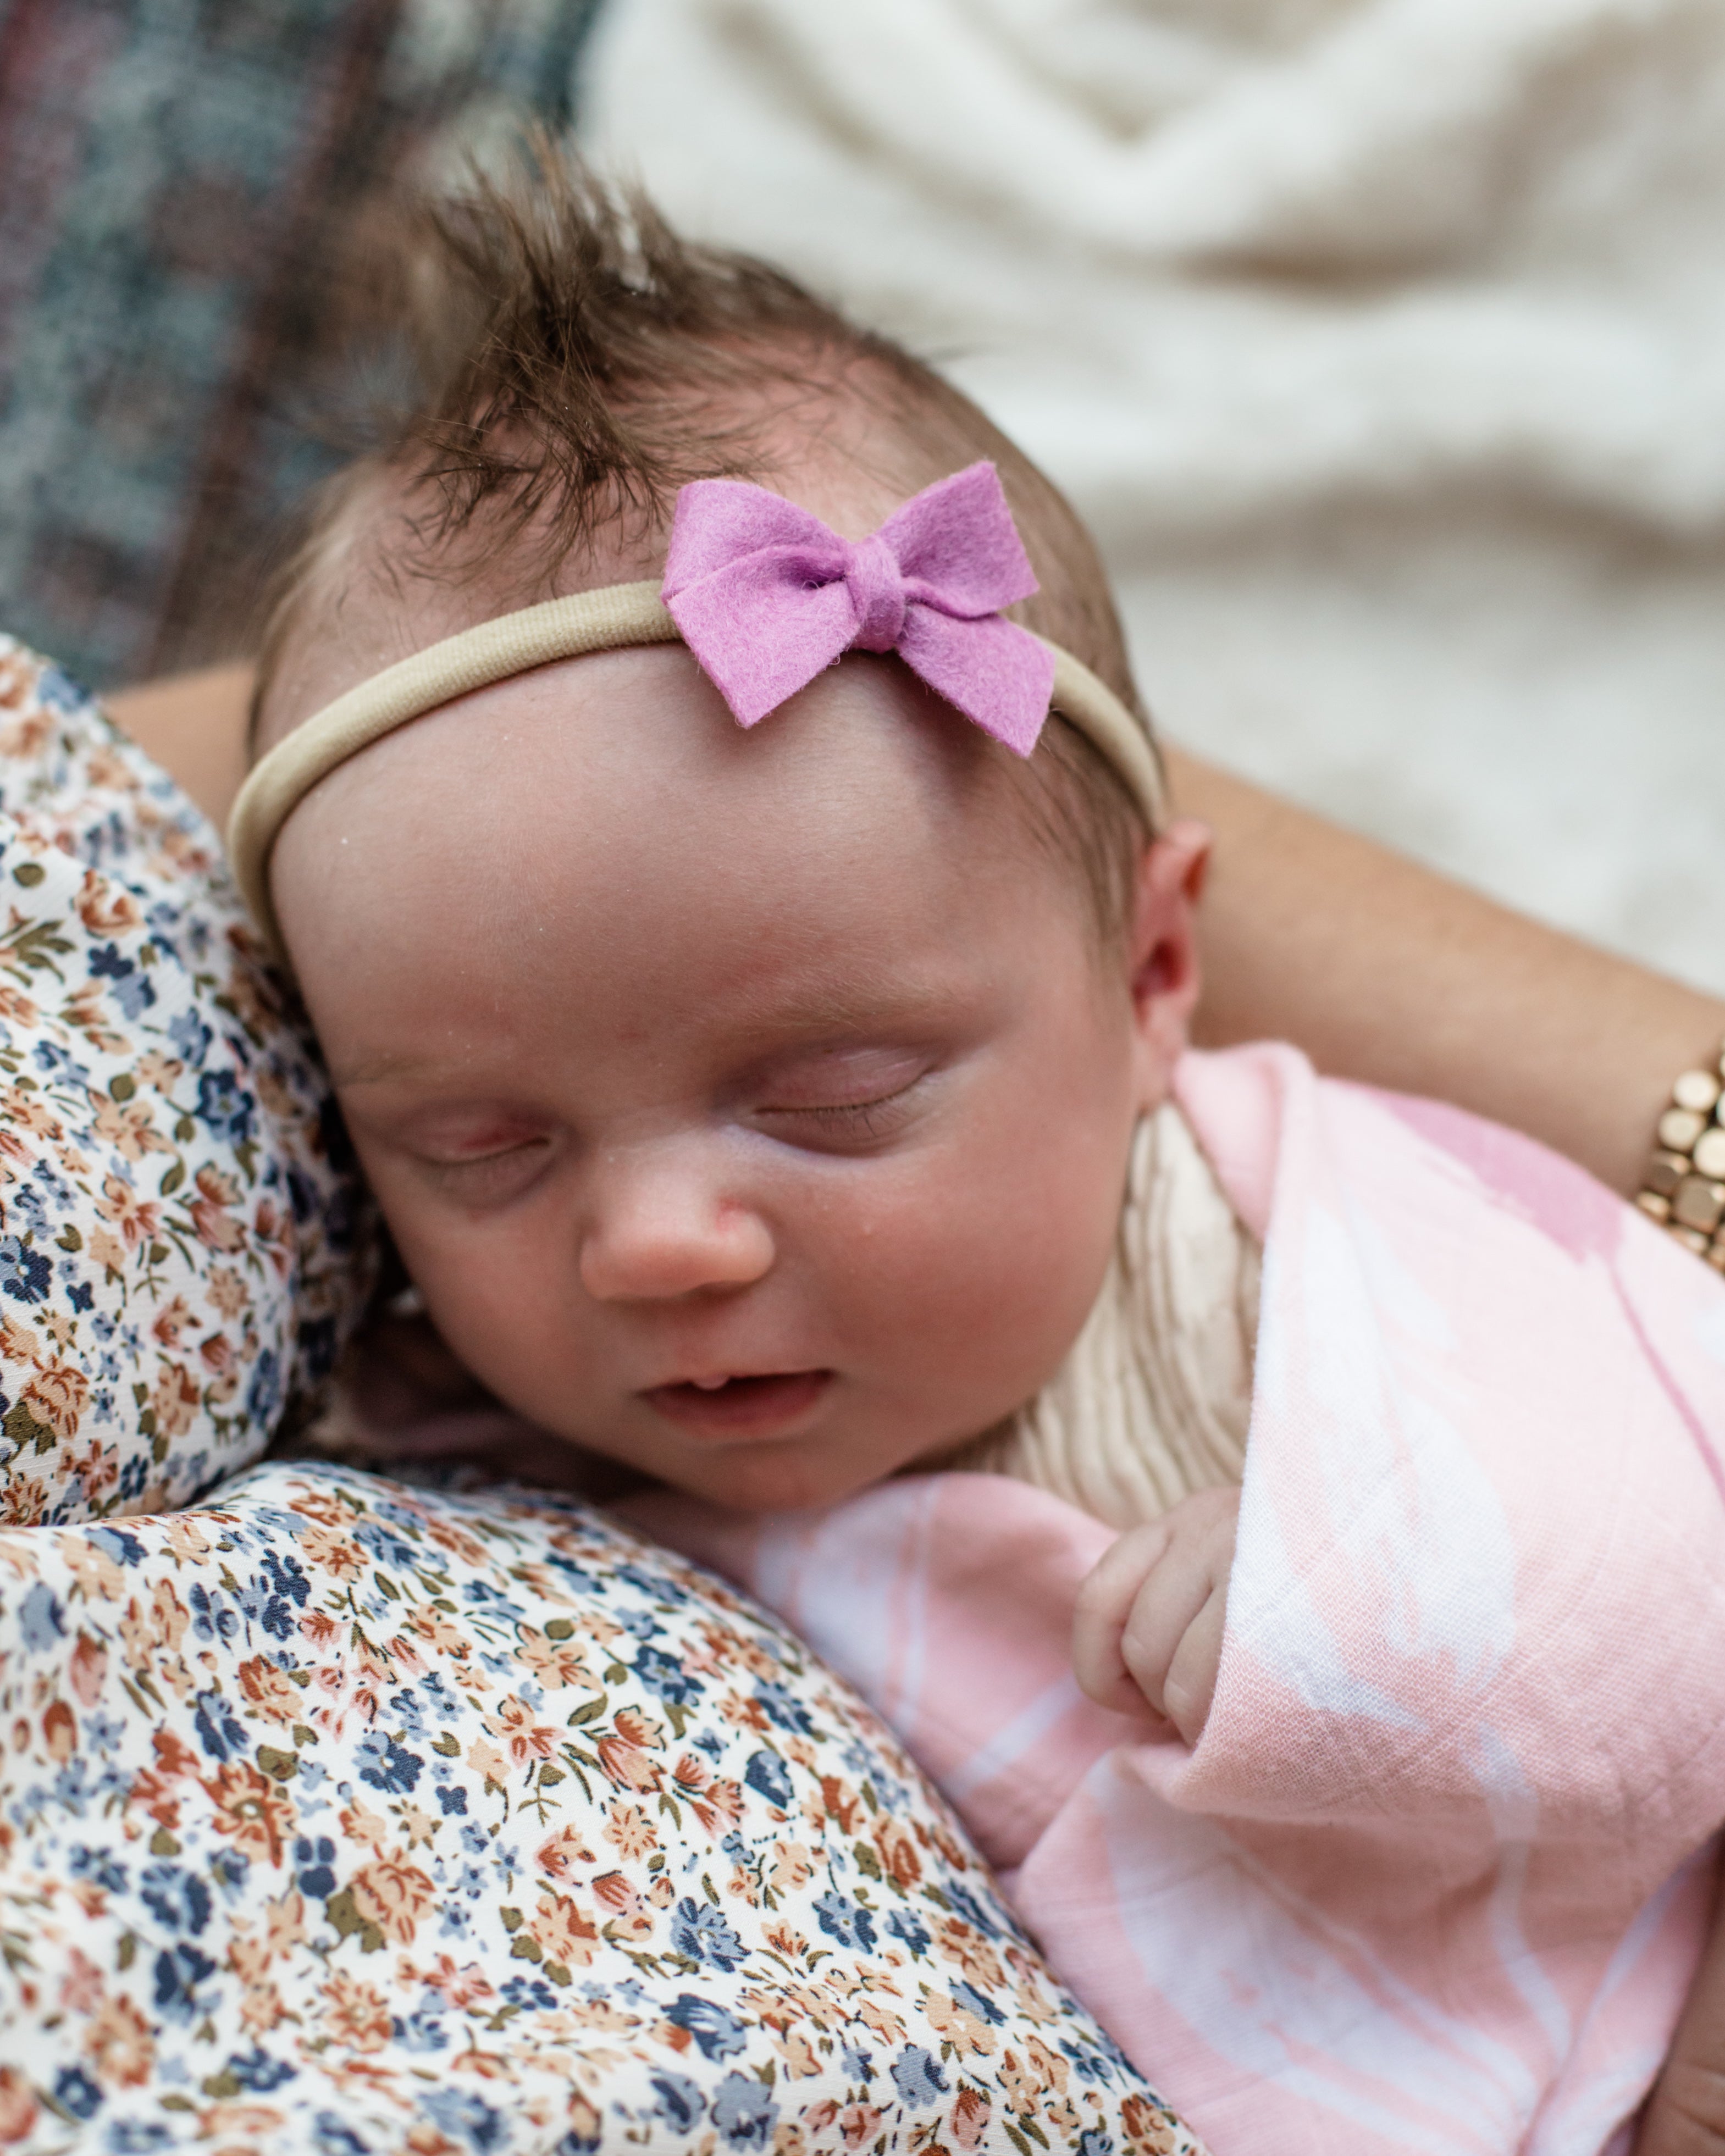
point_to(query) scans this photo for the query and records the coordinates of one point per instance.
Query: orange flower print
(171, 1321)
(120, 2045)
(271, 1690)
(552, 1662)
(559, 1856)
(105, 909)
(630, 1832)
(128, 1128)
(971, 2112)
(135, 1220)
(214, 1226)
(566, 1936)
(355, 2015)
(251, 1809)
(175, 1399)
(627, 1766)
(19, 2107)
(525, 1739)
(896, 1847)
(394, 1896)
(622, 1907)
(463, 1988)
(55, 1397)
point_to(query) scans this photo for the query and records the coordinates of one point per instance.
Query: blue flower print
(179, 1972)
(75, 2090)
(255, 2070)
(224, 1106)
(788, 1713)
(419, 2032)
(190, 1038)
(314, 1866)
(1097, 2059)
(700, 1931)
(679, 2100)
(263, 1394)
(99, 1866)
(211, 1617)
(24, 1273)
(131, 988)
(669, 1679)
(767, 1775)
(468, 2118)
(917, 2077)
(230, 1868)
(387, 1766)
(38, 1618)
(60, 693)
(220, 1730)
(973, 2002)
(175, 1897)
(272, 1597)
(743, 2111)
(715, 2029)
(386, 1546)
(332, 2137)
(845, 1921)
(965, 1904)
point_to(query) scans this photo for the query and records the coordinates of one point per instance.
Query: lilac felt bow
(765, 596)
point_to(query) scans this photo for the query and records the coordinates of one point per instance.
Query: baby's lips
(767, 1405)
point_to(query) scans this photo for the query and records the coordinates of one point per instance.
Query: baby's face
(753, 1108)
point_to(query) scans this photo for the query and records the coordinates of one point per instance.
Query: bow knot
(877, 586)
(766, 596)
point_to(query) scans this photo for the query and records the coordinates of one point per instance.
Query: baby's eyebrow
(829, 1011)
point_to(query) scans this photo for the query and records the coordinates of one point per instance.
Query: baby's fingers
(1164, 1610)
(1189, 1687)
(1105, 1602)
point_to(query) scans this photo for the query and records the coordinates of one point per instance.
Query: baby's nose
(655, 1232)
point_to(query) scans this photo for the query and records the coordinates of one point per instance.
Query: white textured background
(1382, 342)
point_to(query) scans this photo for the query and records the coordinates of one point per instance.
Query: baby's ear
(1164, 950)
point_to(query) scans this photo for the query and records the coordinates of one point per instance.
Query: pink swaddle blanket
(1435, 1878)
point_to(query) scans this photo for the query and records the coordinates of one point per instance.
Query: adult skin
(1382, 972)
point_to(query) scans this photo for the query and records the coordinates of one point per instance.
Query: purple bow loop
(766, 596)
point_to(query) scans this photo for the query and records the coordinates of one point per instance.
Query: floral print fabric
(343, 1817)
(178, 1257)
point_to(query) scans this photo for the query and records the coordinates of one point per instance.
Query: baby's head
(751, 1106)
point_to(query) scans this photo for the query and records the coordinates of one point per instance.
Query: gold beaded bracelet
(1684, 1187)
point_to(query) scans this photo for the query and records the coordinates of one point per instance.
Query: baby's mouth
(765, 1406)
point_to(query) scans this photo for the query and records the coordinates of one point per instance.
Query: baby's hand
(1148, 1624)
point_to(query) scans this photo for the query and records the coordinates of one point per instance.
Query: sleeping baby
(705, 805)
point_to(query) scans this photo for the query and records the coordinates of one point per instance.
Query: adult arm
(1382, 970)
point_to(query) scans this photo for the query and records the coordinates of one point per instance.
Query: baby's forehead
(383, 585)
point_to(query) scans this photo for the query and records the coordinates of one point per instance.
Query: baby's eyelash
(869, 1117)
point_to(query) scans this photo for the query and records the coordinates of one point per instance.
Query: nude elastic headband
(765, 597)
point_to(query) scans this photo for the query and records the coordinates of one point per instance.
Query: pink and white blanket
(1436, 1876)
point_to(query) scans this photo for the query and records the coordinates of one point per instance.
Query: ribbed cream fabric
(1153, 1401)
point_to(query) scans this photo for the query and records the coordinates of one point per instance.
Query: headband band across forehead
(765, 597)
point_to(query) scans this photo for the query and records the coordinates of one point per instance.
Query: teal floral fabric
(340, 1816)
(178, 1254)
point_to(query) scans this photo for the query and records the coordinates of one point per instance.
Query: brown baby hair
(566, 362)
